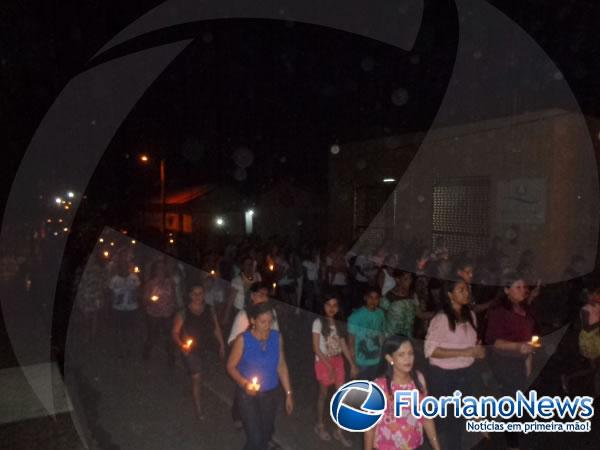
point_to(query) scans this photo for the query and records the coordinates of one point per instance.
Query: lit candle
(188, 344)
(212, 273)
(274, 285)
(154, 298)
(254, 386)
(271, 267)
(136, 269)
(535, 341)
(106, 254)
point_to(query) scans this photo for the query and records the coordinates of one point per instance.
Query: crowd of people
(378, 316)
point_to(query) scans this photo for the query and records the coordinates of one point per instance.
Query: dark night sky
(286, 91)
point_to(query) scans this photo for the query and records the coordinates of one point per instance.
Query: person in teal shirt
(365, 332)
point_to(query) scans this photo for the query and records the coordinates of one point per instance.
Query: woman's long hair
(390, 346)
(337, 319)
(447, 308)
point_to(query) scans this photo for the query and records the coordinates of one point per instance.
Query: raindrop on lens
(243, 157)
(367, 64)
(240, 174)
(400, 97)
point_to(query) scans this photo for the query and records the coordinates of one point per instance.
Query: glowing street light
(145, 159)
(219, 221)
(58, 200)
(70, 194)
(101, 240)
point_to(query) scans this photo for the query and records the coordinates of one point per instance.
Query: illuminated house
(197, 209)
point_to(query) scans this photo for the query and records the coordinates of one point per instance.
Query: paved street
(126, 403)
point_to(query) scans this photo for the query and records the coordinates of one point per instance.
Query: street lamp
(248, 221)
(163, 223)
(219, 221)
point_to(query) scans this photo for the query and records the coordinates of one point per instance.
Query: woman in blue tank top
(257, 364)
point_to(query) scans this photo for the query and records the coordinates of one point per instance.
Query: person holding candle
(509, 331)
(259, 293)
(159, 295)
(329, 344)
(191, 332)
(452, 346)
(397, 372)
(259, 353)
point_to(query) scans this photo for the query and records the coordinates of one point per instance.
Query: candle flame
(254, 380)
(154, 298)
(212, 272)
(189, 343)
(136, 269)
(271, 267)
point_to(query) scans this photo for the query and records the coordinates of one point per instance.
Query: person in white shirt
(311, 263)
(124, 290)
(240, 286)
(259, 293)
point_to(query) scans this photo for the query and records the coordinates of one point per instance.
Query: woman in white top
(386, 279)
(329, 344)
(124, 289)
(311, 263)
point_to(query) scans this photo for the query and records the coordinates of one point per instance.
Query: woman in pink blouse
(452, 346)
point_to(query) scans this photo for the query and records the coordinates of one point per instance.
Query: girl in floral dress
(404, 432)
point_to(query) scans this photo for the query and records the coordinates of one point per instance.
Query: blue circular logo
(358, 405)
